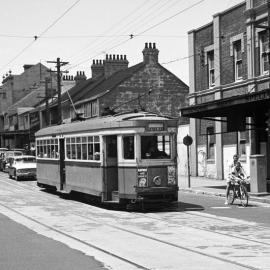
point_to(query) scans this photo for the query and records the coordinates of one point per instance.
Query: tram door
(62, 164)
(111, 169)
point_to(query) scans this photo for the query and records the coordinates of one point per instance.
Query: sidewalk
(213, 187)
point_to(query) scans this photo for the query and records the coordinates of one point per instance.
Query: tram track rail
(25, 187)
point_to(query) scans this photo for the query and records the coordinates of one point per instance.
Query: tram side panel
(85, 177)
(127, 177)
(48, 173)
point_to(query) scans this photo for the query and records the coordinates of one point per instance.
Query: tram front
(151, 154)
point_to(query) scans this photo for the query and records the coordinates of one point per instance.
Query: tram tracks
(138, 234)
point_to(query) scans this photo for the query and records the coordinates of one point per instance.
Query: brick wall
(231, 25)
(168, 93)
(203, 38)
(257, 3)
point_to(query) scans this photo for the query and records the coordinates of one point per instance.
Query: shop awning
(246, 105)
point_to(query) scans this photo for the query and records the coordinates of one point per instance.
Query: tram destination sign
(155, 127)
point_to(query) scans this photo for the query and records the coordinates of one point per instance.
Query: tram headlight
(171, 175)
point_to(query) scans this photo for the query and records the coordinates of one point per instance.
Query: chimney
(150, 54)
(25, 67)
(114, 63)
(97, 68)
(80, 76)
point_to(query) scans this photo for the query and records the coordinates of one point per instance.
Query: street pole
(59, 64)
(188, 167)
(187, 141)
(47, 101)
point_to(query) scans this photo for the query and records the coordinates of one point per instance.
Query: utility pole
(47, 80)
(59, 64)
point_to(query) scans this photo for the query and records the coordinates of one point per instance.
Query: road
(197, 233)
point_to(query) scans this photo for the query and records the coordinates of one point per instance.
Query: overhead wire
(116, 24)
(41, 34)
(144, 31)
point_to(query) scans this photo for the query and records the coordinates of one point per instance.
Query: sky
(79, 31)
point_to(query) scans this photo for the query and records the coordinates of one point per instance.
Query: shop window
(264, 52)
(128, 146)
(211, 68)
(210, 141)
(238, 64)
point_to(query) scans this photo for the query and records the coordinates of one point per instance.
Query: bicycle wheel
(231, 195)
(243, 196)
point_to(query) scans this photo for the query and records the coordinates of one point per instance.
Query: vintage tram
(124, 158)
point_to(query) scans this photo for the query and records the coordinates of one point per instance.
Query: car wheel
(16, 177)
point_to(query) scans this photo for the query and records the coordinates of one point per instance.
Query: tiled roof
(103, 84)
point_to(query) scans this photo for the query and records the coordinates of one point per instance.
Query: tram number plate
(155, 127)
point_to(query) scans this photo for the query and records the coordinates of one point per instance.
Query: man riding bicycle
(237, 172)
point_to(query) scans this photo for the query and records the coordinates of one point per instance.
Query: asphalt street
(214, 205)
(40, 230)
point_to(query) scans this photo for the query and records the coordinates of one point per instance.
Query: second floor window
(211, 68)
(264, 52)
(238, 64)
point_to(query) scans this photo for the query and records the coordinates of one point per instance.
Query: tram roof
(107, 122)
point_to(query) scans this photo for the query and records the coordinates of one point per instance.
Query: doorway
(111, 168)
(62, 164)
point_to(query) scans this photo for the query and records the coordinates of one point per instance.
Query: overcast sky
(79, 31)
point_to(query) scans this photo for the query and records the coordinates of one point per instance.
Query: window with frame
(211, 68)
(210, 141)
(264, 52)
(83, 148)
(48, 148)
(128, 147)
(238, 63)
(156, 147)
(242, 143)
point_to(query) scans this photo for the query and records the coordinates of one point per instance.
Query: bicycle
(238, 190)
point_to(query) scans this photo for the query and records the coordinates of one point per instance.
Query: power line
(149, 28)
(167, 19)
(41, 34)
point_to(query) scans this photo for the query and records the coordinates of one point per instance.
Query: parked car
(22, 167)
(6, 160)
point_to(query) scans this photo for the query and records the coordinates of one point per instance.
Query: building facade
(229, 93)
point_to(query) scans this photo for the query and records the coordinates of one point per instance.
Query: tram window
(68, 151)
(128, 142)
(73, 151)
(156, 147)
(84, 151)
(90, 152)
(79, 151)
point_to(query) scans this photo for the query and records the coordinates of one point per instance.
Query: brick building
(116, 87)
(15, 88)
(229, 93)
